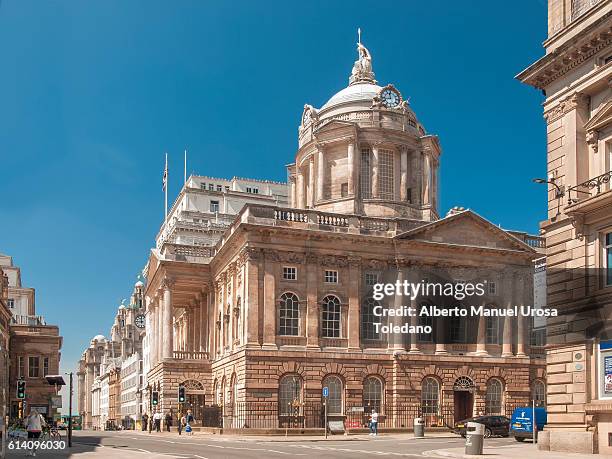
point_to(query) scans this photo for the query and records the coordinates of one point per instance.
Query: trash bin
(419, 428)
(474, 438)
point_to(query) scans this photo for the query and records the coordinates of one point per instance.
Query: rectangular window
(20, 367)
(289, 273)
(608, 256)
(331, 277)
(34, 367)
(219, 188)
(11, 303)
(214, 206)
(365, 174)
(492, 330)
(344, 190)
(425, 321)
(409, 195)
(457, 329)
(371, 279)
(45, 366)
(248, 189)
(492, 288)
(211, 187)
(385, 172)
(227, 188)
(203, 186)
(255, 190)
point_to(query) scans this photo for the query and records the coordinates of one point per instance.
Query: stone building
(575, 76)
(282, 305)
(5, 319)
(88, 371)
(34, 346)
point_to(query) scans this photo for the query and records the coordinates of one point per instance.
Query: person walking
(168, 421)
(145, 422)
(189, 420)
(182, 422)
(374, 423)
(157, 418)
(34, 425)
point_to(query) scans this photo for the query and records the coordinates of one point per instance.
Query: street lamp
(558, 193)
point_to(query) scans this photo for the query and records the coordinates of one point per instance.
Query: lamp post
(558, 193)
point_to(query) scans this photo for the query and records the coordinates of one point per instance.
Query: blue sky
(93, 93)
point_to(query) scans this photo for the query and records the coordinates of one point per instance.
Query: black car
(494, 425)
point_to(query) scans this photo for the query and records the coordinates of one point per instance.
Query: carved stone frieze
(576, 100)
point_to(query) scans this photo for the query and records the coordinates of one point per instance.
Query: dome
(362, 92)
(121, 307)
(138, 284)
(99, 338)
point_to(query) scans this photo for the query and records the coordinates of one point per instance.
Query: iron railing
(590, 188)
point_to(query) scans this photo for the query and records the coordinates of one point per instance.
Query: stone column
(507, 334)
(269, 338)
(196, 327)
(521, 320)
(320, 173)
(354, 306)
(312, 319)
(440, 334)
(300, 191)
(375, 171)
(160, 326)
(153, 333)
(168, 345)
(252, 296)
(293, 191)
(414, 337)
(190, 329)
(403, 174)
(203, 301)
(398, 338)
(427, 179)
(351, 168)
(311, 182)
(481, 339)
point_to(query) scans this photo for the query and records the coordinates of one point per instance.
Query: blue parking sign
(326, 392)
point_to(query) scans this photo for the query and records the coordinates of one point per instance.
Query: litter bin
(419, 428)
(474, 438)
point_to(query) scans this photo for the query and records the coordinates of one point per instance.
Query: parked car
(494, 425)
(521, 426)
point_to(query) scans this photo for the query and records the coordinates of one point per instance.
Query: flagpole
(166, 192)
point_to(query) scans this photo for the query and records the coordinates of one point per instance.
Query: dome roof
(99, 338)
(138, 284)
(363, 92)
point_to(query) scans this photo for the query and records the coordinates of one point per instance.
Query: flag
(165, 176)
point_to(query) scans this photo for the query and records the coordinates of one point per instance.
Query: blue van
(521, 424)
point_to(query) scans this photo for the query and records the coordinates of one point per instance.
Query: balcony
(190, 355)
(32, 321)
(189, 253)
(589, 189)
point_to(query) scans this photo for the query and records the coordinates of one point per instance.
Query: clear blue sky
(93, 93)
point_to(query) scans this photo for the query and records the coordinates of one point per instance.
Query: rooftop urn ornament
(362, 68)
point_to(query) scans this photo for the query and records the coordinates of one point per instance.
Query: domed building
(283, 310)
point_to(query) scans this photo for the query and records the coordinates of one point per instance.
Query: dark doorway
(195, 403)
(463, 404)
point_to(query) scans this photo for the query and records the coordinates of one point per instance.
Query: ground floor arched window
(538, 393)
(494, 397)
(372, 394)
(334, 399)
(430, 397)
(289, 394)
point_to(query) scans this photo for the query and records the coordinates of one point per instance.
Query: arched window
(430, 397)
(289, 393)
(289, 313)
(494, 397)
(372, 394)
(330, 324)
(368, 319)
(334, 399)
(539, 393)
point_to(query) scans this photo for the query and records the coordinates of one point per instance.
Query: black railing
(311, 415)
(588, 189)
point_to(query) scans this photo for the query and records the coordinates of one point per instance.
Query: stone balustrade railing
(28, 320)
(190, 355)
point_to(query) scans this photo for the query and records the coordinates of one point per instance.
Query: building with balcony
(34, 346)
(282, 305)
(575, 76)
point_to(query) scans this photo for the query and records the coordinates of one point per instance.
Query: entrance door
(463, 404)
(195, 403)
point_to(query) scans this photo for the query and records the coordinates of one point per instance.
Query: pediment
(334, 126)
(601, 119)
(466, 228)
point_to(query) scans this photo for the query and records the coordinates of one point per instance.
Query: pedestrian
(145, 422)
(168, 421)
(374, 423)
(34, 425)
(157, 418)
(182, 422)
(189, 420)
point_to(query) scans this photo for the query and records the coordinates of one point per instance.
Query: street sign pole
(325, 395)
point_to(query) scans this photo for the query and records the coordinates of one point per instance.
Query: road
(130, 444)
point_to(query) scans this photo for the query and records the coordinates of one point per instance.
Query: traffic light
(181, 394)
(154, 398)
(21, 389)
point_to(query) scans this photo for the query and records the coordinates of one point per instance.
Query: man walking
(168, 421)
(145, 422)
(157, 417)
(374, 423)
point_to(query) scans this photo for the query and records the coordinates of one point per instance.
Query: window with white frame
(20, 367)
(608, 257)
(289, 273)
(34, 367)
(430, 397)
(289, 393)
(214, 206)
(372, 394)
(425, 321)
(385, 177)
(45, 366)
(492, 330)
(368, 319)
(11, 303)
(289, 315)
(365, 174)
(494, 397)
(538, 392)
(371, 279)
(331, 276)
(334, 399)
(330, 323)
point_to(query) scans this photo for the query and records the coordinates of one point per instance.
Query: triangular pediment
(601, 119)
(466, 228)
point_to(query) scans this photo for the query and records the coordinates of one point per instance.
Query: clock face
(140, 321)
(390, 98)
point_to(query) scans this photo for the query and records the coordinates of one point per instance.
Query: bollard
(419, 428)
(474, 438)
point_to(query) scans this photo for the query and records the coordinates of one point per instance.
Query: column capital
(167, 283)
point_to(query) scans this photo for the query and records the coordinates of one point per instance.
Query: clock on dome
(390, 97)
(140, 321)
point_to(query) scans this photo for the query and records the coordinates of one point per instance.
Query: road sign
(326, 392)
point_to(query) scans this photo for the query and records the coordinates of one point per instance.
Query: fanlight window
(372, 394)
(463, 383)
(494, 396)
(430, 397)
(289, 313)
(192, 384)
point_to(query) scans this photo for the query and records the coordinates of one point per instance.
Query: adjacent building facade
(5, 319)
(575, 76)
(281, 306)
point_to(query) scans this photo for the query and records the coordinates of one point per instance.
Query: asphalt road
(131, 444)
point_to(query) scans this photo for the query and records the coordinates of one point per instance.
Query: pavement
(135, 444)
